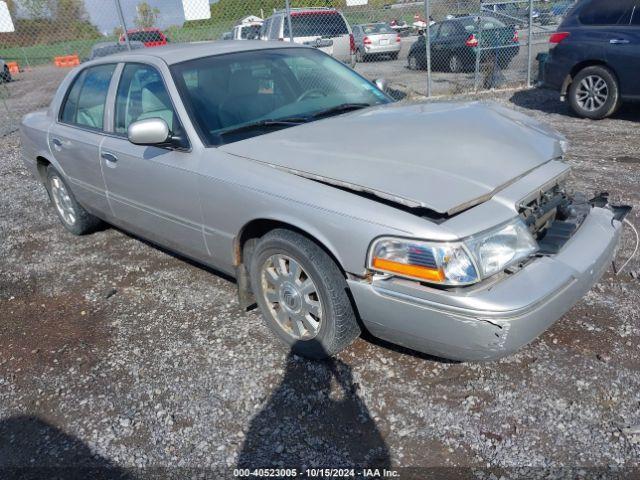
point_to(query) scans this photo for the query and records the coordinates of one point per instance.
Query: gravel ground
(116, 354)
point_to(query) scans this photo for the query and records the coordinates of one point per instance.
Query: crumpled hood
(442, 156)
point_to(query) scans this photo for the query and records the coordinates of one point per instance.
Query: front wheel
(6, 75)
(594, 93)
(302, 295)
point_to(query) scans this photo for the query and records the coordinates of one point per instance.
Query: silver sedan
(374, 40)
(272, 162)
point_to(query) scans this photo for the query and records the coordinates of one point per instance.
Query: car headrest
(154, 97)
(243, 83)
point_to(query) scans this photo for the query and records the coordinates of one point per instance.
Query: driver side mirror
(152, 131)
(381, 83)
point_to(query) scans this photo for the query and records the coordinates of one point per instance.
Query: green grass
(44, 53)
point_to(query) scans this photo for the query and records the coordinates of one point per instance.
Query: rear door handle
(57, 143)
(109, 157)
(618, 41)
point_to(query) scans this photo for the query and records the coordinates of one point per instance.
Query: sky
(104, 14)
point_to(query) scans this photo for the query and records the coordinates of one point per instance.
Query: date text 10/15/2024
(316, 473)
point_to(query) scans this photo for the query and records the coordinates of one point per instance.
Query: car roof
(182, 52)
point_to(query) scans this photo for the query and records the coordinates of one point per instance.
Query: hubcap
(454, 64)
(592, 93)
(292, 297)
(62, 201)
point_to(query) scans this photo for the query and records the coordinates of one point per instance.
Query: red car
(151, 37)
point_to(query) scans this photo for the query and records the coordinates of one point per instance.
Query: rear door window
(607, 12)
(84, 105)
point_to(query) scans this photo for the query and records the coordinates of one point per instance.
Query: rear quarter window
(606, 12)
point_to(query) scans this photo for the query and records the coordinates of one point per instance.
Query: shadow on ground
(314, 418)
(548, 101)
(31, 448)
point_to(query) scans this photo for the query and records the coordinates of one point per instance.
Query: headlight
(496, 250)
(453, 263)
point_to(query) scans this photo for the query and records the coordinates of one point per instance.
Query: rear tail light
(516, 36)
(366, 41)
(352, 43)
(472, 41)
(398, 39)
(558, 37)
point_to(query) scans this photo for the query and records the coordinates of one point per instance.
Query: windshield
(225, 92)
(316, 24)
(472, 24)
(250, 32)
(376, 28)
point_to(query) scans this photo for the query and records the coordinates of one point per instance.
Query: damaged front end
(554, 215)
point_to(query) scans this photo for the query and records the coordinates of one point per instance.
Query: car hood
(442, 156)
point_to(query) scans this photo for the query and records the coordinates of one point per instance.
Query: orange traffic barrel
(66, 60)
(13, 67)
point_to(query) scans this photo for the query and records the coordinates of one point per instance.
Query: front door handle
(109, 157)
(618, 41)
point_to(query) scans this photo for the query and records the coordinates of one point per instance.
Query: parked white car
(322, 28)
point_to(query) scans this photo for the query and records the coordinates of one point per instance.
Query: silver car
(374, 40)
(323, 28)
(271, 162)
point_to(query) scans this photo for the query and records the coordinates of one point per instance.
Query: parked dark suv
(595, 58)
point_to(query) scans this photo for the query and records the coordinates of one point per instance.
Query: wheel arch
(42, 164)
(258, 227)
(578, 67)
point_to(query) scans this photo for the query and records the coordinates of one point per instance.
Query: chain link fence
(422, 48)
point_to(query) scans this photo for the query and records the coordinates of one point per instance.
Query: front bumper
(496, 319)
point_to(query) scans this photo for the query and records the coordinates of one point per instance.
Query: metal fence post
(427, 36)
(476, 81)
(287, 4)
(123, 24)
(530, 44)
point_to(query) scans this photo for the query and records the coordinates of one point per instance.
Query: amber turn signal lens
(414, 271)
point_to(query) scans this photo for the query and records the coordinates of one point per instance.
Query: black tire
(504, 61)
(338, 326)
(413, 63)
(83, 222)
(6, 75)
(608, 107)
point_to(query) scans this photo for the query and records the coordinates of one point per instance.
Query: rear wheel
(72, 215)
(455, 64)
(302, 295)
(413, 63)
(594, 93)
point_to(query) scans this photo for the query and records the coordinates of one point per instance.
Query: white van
(323, 28)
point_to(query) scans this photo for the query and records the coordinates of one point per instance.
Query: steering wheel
(313, 93)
